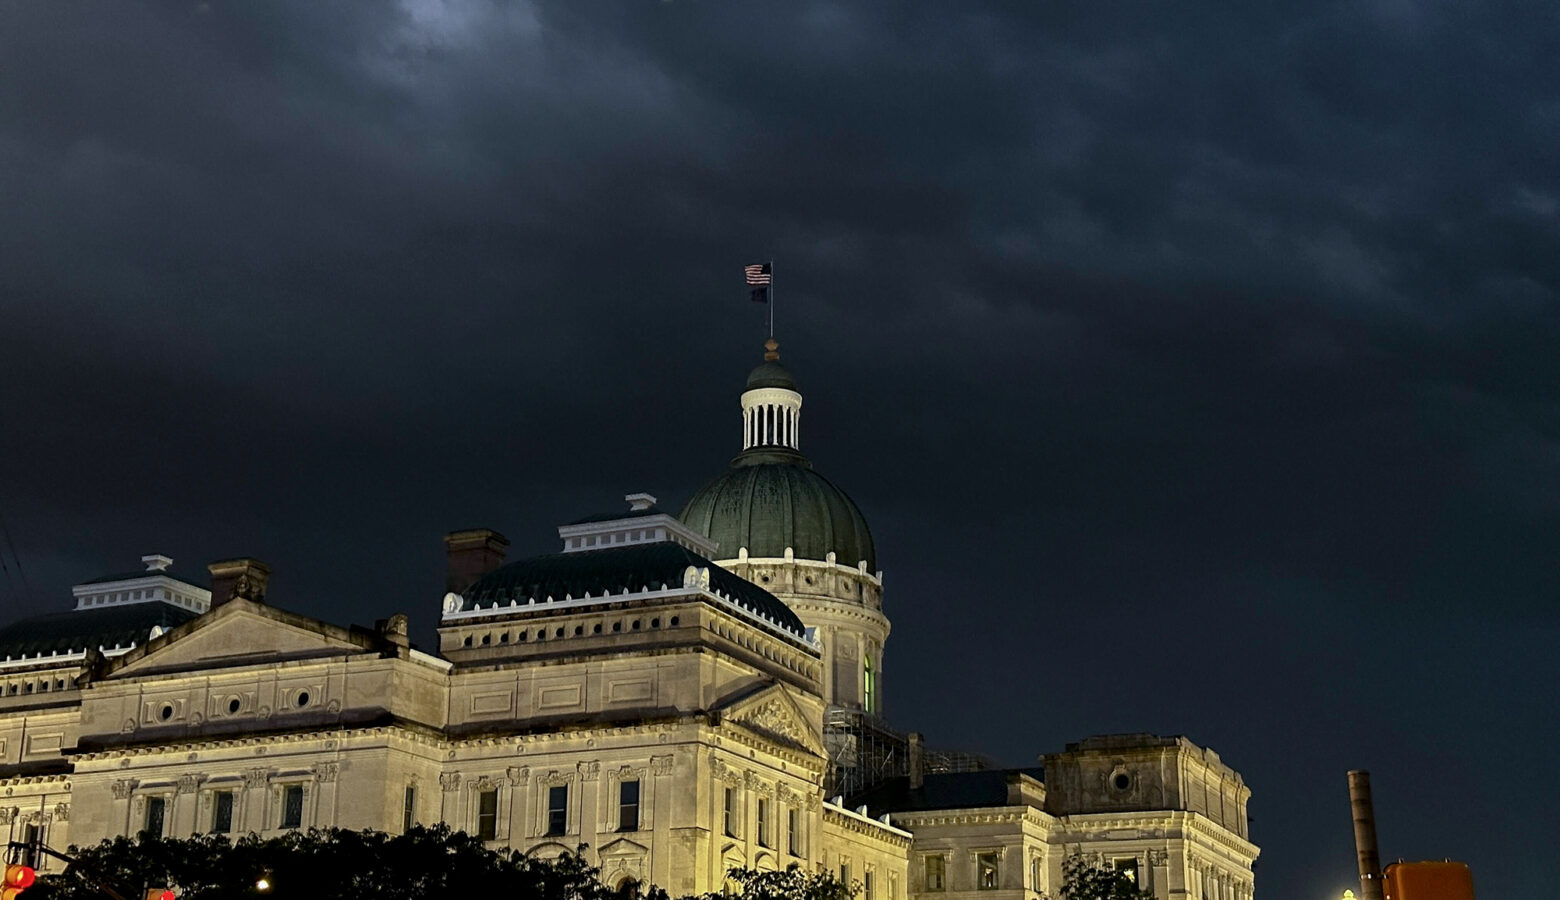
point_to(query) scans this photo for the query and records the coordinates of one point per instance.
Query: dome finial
(771, 350)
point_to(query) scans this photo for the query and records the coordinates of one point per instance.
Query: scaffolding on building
(864, 751)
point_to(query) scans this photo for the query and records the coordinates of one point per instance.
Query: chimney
(246, 578)
(472, 554)
(1365, 835)
(916, 763)
(395, 630)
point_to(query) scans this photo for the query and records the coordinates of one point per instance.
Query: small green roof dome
(771, 375)
(771, 499)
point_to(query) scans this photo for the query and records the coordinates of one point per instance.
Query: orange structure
(1428, 881)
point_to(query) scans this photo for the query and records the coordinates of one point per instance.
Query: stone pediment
(773, 713)
(242, 632)
(623, 847)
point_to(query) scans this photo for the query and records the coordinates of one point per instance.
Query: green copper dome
(771, 375)
(770, 499)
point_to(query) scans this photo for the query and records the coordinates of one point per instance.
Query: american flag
(757, 274)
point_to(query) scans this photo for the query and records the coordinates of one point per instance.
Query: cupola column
(772, 412)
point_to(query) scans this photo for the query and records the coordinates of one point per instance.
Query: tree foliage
(330, 864)
(336, 864)
(791, 884)
(1083, 880)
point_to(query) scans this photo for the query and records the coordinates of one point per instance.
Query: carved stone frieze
(123, 787)
(7, 815)
(518, 775)
(775, 719)
(555, 778)
(188, 784)
(256, 778)
(62, 812)
(661, 765)
(449, 781)
(326, 772)
(589, 770)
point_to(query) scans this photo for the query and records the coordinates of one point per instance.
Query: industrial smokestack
(1365, 835)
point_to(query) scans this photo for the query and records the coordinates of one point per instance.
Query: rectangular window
(408, 809)
(731, 812)
(156, 807)
(844, 873)
(1128, 866)
(558, 809)
(893, 887)
(628, 806)
(866, 886)
(986, 871)
(292, 806)
(763, 821)
(222, 812)
(792, 839)
(487, 815)
(936, 873)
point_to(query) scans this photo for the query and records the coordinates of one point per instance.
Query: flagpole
(771, 297)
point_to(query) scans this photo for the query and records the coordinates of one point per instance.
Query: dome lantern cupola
(771, 405)
(780, 524)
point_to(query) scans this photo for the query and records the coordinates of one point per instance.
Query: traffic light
(160, 894)
(18, 878)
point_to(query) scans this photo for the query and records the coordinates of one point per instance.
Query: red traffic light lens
(20, 877)
(166, 895)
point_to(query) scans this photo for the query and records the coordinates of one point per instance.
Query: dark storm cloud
(1203, 357)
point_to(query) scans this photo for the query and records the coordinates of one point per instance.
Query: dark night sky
(1193, 362)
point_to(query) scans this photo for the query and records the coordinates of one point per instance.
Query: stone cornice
(994, 815)
(332, 737)
(1189, 823)
(862, 825)
(806, 759)
(35, 780)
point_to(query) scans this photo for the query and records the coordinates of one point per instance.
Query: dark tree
(335, 864)
(790, 884)
(1082, 880)
(329, 864)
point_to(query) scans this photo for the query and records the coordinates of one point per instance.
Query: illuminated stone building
(682, 693)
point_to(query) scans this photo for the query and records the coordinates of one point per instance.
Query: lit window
(986, 871)
(628, 806)
(867, 683)
(936, 873)
(487, 815)
(1128, 866)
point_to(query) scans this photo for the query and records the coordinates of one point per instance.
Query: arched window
(867, 685)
